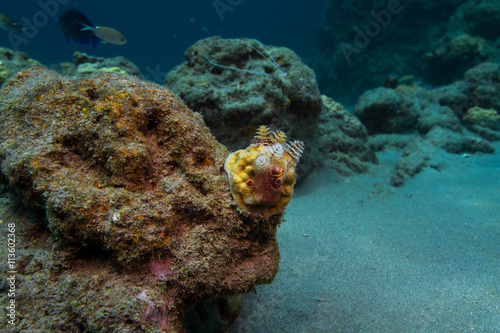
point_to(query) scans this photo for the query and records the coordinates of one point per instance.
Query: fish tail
(85, 27)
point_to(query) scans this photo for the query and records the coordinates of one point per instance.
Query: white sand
(361, 256)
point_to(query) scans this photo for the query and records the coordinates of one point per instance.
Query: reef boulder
(385, 110)
(343, 140)
(240, 84)
(129, 185)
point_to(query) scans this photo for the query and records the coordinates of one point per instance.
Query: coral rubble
(136, 219)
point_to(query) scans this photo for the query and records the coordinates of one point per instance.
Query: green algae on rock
(124, 170)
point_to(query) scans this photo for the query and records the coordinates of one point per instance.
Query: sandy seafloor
(358, 255)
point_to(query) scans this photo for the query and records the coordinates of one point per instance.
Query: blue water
(159, 32)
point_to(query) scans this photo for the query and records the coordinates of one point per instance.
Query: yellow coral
(262, 176)
(115, 69)
(480, 116)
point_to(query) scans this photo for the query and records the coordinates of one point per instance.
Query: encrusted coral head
(262, 176)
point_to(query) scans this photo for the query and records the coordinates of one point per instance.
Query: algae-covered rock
(466, 46)
(483, 84)
(456, 143)
(84, 64)
(343, 140)
(384, 110)
(479, 17)
(127, 176)
(450, 56)
(240, 84)
(12, 62)
(485, 122)
(411, 119)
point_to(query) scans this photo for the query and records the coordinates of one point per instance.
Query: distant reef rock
(11, 62)
(343, 140)
(136, 223)
(240, 84)
(434, 42)
(460, 118)
(83, 65)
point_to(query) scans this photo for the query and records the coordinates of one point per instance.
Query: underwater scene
(250, 166)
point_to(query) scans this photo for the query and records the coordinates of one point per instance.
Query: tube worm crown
(262, 176)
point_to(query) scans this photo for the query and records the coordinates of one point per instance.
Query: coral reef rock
(136, 220)
(12, 62)
(240, 84)
(343, 140)
(361, 42)
(83, 65)
(411, 119)
(385, 110)
(485, 122)
(478, 17)
(262, 176)
(483, 84)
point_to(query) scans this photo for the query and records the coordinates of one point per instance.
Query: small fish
(9, 24)
(109, 35)
(431, 55)
(406, 78)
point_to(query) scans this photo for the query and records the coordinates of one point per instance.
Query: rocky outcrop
(134, 209)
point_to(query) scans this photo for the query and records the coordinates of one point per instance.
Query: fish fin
(85, 27)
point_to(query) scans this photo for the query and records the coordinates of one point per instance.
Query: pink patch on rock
(152, 313)
(161, 268)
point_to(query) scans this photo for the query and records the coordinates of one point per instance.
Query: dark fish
(71, 22)
(9, 24)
